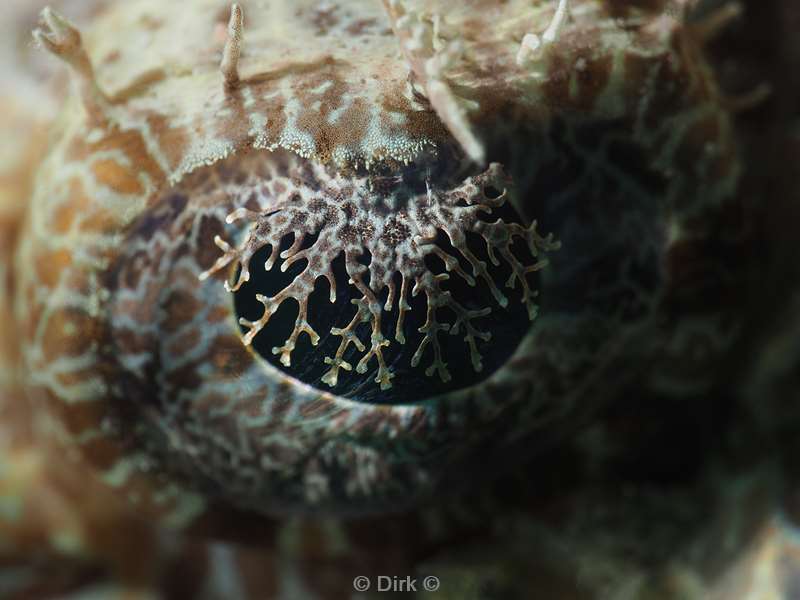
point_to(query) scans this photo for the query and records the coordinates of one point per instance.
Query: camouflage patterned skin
(152, 447)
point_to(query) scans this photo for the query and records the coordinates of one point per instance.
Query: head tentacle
(62, 39)
(229, 66)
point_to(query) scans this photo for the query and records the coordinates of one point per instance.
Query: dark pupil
(507, 326)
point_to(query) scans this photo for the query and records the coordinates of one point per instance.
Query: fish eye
(394, 275)
(346, 282)
(312, 300)
(359, 290)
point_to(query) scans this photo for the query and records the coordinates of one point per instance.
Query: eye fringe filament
(398, 241)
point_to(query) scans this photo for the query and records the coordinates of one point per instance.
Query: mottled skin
(152, 417)
(126, 161)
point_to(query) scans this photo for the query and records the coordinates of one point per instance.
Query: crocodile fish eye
(346, 278)
(393, 329)
(376, 242)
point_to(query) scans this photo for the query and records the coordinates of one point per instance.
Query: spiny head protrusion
(229, 66)
(448, 106)
(63, 39)
(429, 58)
(532, 45)
(348, 218)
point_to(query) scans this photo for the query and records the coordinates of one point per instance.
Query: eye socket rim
(425, 428)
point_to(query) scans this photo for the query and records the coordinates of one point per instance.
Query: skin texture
(134, 408)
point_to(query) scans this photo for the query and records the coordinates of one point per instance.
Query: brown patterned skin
(136, 370)
(120, 165)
